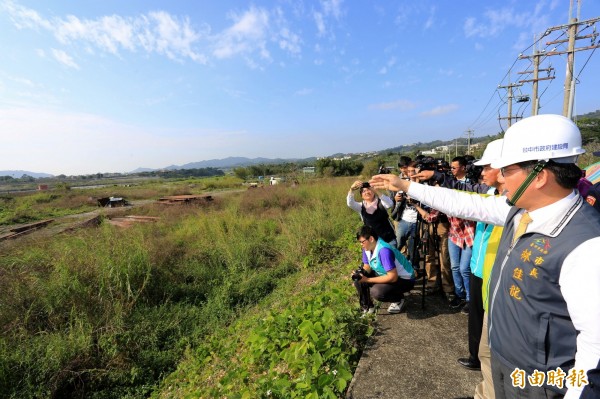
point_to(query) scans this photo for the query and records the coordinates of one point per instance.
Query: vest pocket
(542, 334)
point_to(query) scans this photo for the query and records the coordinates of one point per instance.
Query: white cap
(492, 152)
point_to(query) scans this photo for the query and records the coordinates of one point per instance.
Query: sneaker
(397, 307)
(367, 312)
(457, 302)
(465, 309)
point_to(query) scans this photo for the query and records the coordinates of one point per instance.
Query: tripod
(421, 244)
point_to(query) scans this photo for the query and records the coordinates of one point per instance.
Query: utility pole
(469, 132)
(569, 83)
(535, 102)
(572, 28)
(509, 102)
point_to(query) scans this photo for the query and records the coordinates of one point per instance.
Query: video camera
(427, 163)
(384, 171)
(473, 171)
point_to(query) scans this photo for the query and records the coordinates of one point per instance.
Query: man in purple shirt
(385, 276)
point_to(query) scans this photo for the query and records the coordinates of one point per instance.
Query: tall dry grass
(107, 312)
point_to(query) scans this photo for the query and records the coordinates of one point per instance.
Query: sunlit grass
(107, 312)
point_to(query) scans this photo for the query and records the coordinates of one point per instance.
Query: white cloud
(165, 34)
(404, 13)
(388, 65)
(441, 110)
(402, 105)
(329, 9)
(247, 34)
(431, 19)
(332, 7)
(19, 80)
(495, 22)
(320, 22)
(155, 32)
(285, 37)
(251, 33)
(64, 58)
(304, 92)
(23, 17)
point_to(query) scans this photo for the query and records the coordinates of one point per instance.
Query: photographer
(405, 214)
(437, 265)
(373, 210)
(403, 166)
(385, 274)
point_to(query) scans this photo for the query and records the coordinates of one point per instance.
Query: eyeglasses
(363, 241)
(504, 169)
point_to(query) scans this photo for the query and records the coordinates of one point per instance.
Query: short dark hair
(404, 161)
(461, 160)
(364, 185)
(366, 232)
(567, 174)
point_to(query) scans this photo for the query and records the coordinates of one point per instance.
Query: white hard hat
(492, 152)
(541, 137)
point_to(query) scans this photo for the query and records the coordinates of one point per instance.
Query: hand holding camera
(358, 274)
(356, 185)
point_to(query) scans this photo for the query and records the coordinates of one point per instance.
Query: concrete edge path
(414, 354)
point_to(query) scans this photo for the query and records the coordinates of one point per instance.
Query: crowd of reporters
(519, 178)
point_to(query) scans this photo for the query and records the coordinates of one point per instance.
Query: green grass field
(247, 296)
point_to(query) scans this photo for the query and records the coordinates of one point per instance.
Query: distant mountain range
(229, 162)
(16, 174)
(233, 162)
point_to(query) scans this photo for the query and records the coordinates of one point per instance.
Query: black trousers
(476, 314)
(393, 292)
(504, 388)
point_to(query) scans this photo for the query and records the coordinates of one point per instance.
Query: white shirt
(580, 273)
(357, 206)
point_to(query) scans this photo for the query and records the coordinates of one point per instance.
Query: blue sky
(109, 86)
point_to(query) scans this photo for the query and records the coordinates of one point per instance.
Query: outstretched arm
(389, 182)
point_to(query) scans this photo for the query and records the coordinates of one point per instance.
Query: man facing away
(544, 301)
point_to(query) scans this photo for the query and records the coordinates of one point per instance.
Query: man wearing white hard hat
(544, 301)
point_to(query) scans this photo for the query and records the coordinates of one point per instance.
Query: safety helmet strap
(536, 171)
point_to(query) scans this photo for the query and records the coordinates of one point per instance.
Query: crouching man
(385, 276)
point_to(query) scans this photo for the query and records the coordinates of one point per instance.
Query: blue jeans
(405, 233)
(460, 260)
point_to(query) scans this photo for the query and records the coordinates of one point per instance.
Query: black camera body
(474, 172)
(358, 273)
(427, 163)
